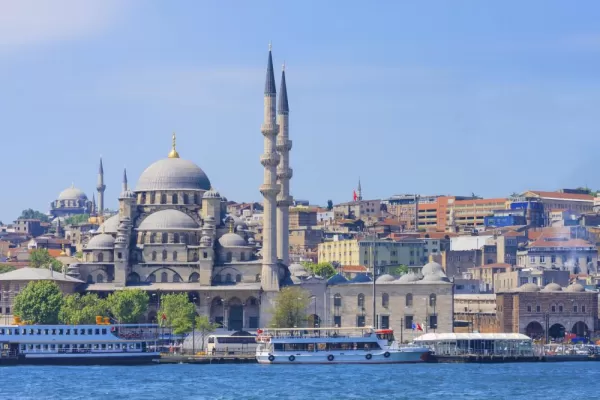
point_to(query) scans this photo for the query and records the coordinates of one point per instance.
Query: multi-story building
(305, 238)
(486, 275)
(575, 255)
(513, 278)
(302, 216)
(31, 227)
(359, 209)
(561, 200)
(382, 253)
(403, 206)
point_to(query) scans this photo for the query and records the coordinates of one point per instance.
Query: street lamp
(223, 323)
(315, 322)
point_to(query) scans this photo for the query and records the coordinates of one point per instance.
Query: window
(154, 256)
(119, 255)
(195, 277)
(553, 308)
(337, 300)
(152, 198)
(152, 278)
(575, 308)
(174, 256)
(205, 254)
(385, 322)
(538, 308)
(257, 278)
(408, 321)
(337, 320)
(100, 278)
(176, 238)
(165, 237)
(385, 300)
(433, 321)
(242, 256)
(186, 199)
(163, 199)
(531, 259)
(164, 277)
(217, 278)
(164, 255)
(432, 300)
(238, 278)
(174, 199)
(176, 278)
(361, 301)
(560, 308)
(542, 259)
(360, 320)
(409, 300)
(152, 238)
(552, 259)
(582, 309)
(528, 308)
(229, 256)
(228, 278)
(100, 257)
(90, 279)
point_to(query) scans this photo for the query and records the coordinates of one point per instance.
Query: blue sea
(253, 381)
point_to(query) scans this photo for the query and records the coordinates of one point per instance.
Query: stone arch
(580, 329)
(194, 277)
(151, 278)
(133, 278)
(556, 331)
(235, 313)
(534, 330)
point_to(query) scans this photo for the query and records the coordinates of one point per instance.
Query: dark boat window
(97, 331)
(104, 331)
(82, 331)
(90, 331)
(68, 331)
(60, 331)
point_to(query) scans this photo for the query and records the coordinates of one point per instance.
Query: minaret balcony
(269, 159)
(285, 203)
(284, 145)
(269, 189)
(269, 129)
(285, 174)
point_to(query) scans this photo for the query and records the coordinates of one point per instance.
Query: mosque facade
(172, 233)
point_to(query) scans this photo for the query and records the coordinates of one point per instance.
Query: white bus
(228, 344)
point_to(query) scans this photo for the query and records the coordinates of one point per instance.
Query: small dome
(72, 193)
(232, 240)
(110, 225)
(575, 287)
(337, 279)
(120, 240)
(431, 278)
(385, 278)
(407, 278)
(100, 242)
(361, 278)
(211, 194)
(173, 174)
(127, 194)
(552, 287)
(528, 287)
(432, 268)
(168, 220)
(251, 240)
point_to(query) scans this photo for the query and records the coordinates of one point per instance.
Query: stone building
(551, 311)
(574, 255)
(71, 201)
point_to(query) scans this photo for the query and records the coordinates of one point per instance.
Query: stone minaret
(359, 191)
(269, 189)
(101, 187)
(284, 174)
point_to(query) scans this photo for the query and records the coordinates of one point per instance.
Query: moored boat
(363, 345)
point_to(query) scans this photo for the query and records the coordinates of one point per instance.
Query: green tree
(40, 258)
(323, 269)
(77, 219)
(179, 312)
(33, 214)
(77, 309)
(39, 302)
(329, 205)
(127, 306)
(398, 270)
(290, 308)
(205, 327)
(6, 268)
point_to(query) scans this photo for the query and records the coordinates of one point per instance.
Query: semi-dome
(232, 240)
(173, 174)
(361, 278)
(211, 194)
(575, 287)
(101, 241)
(337, 279)
(385, 278)
(110, 225)
(528, 287)
(72, 193)
(552, 287)
(432, 268)
(168, 220)
(407, 278)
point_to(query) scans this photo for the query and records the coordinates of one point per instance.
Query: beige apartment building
(368, 251)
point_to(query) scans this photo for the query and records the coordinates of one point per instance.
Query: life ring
(369, 356)
(271, 358)
(112, 329)
(386, 354)
(330, 357)
(292, 358)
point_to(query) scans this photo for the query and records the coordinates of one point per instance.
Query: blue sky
(424, 96)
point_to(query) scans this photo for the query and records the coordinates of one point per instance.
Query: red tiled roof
(565, 196)
(561, 243)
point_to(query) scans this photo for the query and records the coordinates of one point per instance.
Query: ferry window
(97, 331)
(60, 331)
(138, 345)
(24, 332)
(82, 331)
(103, 346)
(117, 346)
(31, 331)
(1, 331)
(38, 347)
(67, 346)
(52, 347)
(96, 347)
(30, 347)
(46, 331)
(54, 331)
(211, 340)
(68, 331)
(39, 332)
(132, 346)
(23, 347)
(17, 331)
(90, 331)
(104, 331)
(8, 332)
(60, 346)
(110, 346)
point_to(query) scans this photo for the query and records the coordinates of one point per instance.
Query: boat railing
(127, 333)
(314, 333)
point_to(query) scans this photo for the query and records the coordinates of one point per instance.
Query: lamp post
(194, 298)
(223, 324)
(315, 323)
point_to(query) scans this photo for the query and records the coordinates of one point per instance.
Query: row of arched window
(385, 300)
(164, 238)
(164, 255)
(164, 277)
(227, 278)
(163, 197)
(554, 308)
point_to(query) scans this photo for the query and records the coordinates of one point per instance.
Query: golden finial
(174, 153)
(63, 253)
(231, 223)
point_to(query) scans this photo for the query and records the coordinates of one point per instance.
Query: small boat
(78, 344)
(363, 345)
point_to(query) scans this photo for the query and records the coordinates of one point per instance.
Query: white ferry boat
(78, 344)
(335, 346)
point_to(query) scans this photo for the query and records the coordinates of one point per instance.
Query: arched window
(337, 300)
(196, 199)
(432, 300)
(238, 278)
(228, 278)
(184, 238)
(165, 237)
(164, 255)
(174, 198)
(385, 300)
(99, 278)
(409, 300)
(196, 257)
(242, 256)
(174, 256)
(90, 279)
(152, 238)
(164, 277)
(361, 300)
(153, 256)
(133, 278)
(176, 278)
(163, 199)
(87, 257)
(152, 278)
(186, 198)
(176, 238)
(229, 256)
(257, 278)
(100, 257)
(143, 198)
(194, 277)
(217, 278)
(152, 198)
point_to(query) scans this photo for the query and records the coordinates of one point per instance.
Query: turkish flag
(354, 195)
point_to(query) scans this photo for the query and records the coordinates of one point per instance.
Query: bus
(231, 344)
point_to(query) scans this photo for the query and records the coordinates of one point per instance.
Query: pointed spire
(283, 99)
(125, 186)
(101, 168)
(174, 153)
(270, 81)
(359, 188)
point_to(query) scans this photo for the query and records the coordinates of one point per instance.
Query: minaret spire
(125, 186)
(100, 187)
(284, 174)
(269, 189)
(359, 190)
(174, 153)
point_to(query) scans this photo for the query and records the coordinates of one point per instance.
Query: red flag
(419, 327)
(354, 195)
(164, 316)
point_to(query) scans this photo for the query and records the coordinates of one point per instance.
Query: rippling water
(184, 381)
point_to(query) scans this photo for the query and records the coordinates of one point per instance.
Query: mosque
(172, 233)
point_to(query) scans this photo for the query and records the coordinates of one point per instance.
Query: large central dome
(173, 174)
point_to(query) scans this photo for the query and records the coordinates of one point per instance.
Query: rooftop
(36, 274)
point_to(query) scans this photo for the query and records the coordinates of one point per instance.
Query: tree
(329, 205)
(39, 303)
(290, 308)
(127, 306)
(178, 312)
(77, 309)
(77, 219)
(323, 269)
(33, 214)
(40, 258)
(6, 268)
(398, 270)
(205, 327)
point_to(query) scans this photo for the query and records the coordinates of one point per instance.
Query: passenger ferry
(78, 344)
(335, 346)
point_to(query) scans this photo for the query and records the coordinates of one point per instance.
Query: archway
(314, 321)
(133, 278)
(217, 311)
(556, 331)
(534, 330)
(236, 315)
(580, 329)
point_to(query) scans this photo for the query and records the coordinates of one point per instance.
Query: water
(252, 381)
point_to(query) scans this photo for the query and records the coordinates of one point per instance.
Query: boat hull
(82, 359)
(390, 357)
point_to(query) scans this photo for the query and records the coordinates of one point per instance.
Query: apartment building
(373, 251)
